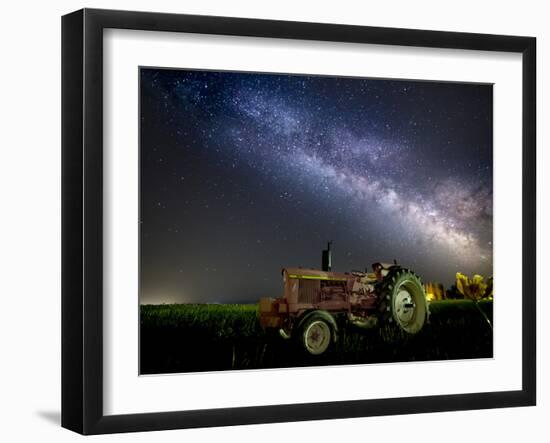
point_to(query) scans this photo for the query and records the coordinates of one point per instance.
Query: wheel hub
(404, 306)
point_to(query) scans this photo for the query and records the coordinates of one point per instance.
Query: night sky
(245, 173)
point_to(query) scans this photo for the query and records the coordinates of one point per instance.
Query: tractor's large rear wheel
(404, 300)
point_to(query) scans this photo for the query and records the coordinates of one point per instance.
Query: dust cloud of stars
(245, 173)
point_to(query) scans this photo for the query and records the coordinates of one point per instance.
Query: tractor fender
(325, 316)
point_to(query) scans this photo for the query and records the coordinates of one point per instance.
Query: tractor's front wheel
(317, 333)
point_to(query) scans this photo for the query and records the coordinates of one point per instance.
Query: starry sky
(242, 174)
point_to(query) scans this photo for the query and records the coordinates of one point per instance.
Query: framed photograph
(269, 221)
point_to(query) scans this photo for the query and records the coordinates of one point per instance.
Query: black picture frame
(82, 215)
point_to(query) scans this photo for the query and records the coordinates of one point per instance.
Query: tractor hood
(314, 274)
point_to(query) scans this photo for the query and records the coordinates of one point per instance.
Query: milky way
(243, 173)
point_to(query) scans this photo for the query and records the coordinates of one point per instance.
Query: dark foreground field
(191, 338)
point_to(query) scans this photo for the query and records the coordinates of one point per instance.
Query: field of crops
(191, 338)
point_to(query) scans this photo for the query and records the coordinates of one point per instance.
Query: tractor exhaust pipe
(326, 259)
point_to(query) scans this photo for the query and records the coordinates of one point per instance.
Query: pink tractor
(315, 303)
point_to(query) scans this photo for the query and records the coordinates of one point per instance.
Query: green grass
(224, 320)
(189, 338)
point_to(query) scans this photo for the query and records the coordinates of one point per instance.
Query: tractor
(316, 304)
